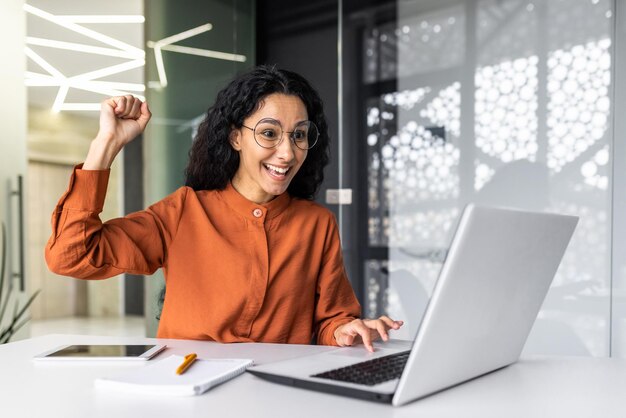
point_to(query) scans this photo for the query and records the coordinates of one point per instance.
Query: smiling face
(266, 173)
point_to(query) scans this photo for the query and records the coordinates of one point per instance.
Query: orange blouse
(235, 271)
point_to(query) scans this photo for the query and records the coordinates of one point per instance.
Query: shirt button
(257, 213)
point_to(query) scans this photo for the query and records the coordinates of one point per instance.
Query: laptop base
(326, 388)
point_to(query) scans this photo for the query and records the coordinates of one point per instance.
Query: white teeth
(277, 169)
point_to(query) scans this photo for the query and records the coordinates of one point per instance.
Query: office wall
(12, 120)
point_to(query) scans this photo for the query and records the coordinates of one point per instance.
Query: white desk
(539, 387)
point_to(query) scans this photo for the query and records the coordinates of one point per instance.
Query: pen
(189, 358)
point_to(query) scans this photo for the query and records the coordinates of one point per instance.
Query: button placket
(259, 276)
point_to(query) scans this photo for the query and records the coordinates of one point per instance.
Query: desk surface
(534, 387)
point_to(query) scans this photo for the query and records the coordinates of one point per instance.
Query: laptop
(490, 288)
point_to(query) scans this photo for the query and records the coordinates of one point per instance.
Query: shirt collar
(249, 209)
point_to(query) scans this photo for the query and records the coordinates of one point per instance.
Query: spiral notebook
(160, 378)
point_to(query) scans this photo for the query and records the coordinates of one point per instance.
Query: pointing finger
(364, 332)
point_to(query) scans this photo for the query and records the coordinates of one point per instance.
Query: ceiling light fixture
(118, 49)
(166, 44)
(85, 81)
(158, 45)
(204, 53)
(82, 30)
(89, 49)
(81, 106)
(102, 18)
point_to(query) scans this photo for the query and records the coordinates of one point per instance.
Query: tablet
(102, 352)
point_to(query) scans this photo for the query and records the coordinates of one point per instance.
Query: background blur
(431, 105)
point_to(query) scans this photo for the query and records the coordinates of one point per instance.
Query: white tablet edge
(143, 357)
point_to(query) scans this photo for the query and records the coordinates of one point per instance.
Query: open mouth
(277, 172)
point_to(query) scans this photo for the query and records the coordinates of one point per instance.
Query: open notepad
(160, 378)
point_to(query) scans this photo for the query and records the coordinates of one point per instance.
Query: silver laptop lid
(495, 277)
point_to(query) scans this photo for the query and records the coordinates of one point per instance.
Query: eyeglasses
(268, 133)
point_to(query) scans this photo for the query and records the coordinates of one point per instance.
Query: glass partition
(192, 52)
(78, 53)
(506, 103)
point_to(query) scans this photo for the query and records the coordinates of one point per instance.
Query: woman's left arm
(336, 303)
(337, 309)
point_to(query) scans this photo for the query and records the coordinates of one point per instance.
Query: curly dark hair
(213, 161)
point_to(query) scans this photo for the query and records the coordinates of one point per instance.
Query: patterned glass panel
(507, 103)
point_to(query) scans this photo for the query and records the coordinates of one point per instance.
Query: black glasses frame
(290, 133)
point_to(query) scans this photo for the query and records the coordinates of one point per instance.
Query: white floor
(114, 326)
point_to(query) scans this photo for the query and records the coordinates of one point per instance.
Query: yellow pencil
(189, 358)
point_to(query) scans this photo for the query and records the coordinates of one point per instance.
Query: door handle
(19, 193)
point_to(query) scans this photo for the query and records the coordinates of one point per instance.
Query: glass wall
(77, 54)
(506, 103)
(193, 51)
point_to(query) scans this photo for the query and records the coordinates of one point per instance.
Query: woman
(247, 255)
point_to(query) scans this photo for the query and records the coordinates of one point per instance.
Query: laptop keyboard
(370, 372)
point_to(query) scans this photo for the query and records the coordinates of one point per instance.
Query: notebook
(493, 281)
(160, 378)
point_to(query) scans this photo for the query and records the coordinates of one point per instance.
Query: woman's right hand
(122, 119)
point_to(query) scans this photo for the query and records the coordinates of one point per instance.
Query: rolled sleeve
(87, 190)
